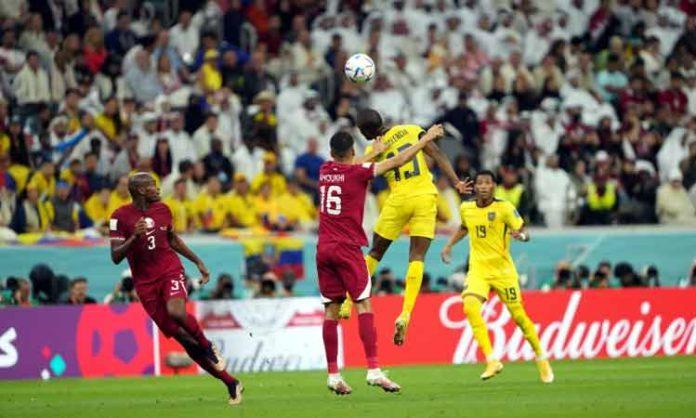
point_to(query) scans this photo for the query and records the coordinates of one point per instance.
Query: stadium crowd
(587, 109)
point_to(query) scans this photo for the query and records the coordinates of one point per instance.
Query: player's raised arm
(434, 152)
(121, 246)
(458, 235)
(378, 147)
(180, 247)
(433, 133)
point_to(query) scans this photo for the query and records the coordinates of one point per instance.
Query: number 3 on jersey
(330, 200)
(151, 242)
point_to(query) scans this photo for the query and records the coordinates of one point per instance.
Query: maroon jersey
(342, 189)
(150, 257)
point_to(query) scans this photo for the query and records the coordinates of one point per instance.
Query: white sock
(334, 377)
(374, 373)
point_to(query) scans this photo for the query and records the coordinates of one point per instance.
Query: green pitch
(659, 387)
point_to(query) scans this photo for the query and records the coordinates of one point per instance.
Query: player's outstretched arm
(434, 152)
(458, 235)
(378, 147)
(433, 133)
(120, 247)
(180, 247)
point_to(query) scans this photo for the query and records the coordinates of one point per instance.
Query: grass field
(657, 387)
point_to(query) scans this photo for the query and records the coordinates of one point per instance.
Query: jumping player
(412, 201)
(340, 263)
(142, 232)
(491, 267)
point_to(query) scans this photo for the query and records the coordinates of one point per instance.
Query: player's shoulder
(503, 205)
(123, 211)
(469, 203)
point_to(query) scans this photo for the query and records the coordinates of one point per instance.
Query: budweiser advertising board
(572, 325)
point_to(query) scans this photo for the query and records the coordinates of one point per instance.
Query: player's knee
(178, 315)
(472, 306)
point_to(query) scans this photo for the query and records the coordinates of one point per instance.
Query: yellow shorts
(508, 289)
(418, 212)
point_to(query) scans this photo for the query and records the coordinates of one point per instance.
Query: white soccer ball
(360, 68)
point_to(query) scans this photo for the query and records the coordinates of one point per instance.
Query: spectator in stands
(297, 207)
(77, 293)
(216, 163)
(94, 53)
(611, 81)
(122, 38)
(18, 293)
(185, 36)
(142, 79)
(224, 289)
(62, 209)
(162, 163)
(120, 196)
(673, 204)
(650, 276)
(267, 287)
(512, 190)
(563, 277)
(31, 84)
(44, 180)
(269, 175)
(307, 167)
(553, 192)
(385, 283)
(602, 201)
(124, 291)
(204, 135)
(242, 205)
(97, 207)
(626, 275)
(181, 206)
(210, 207)
(8, 201)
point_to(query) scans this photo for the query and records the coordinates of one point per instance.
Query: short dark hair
(31, 53)
(77, 280)
(179, 181)
(370, 123)
(185, 165)
(341, 142)
(486, 173)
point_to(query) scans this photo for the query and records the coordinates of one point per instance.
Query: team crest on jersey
(149, 223)
(491, 216)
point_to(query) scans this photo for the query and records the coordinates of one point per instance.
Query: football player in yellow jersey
(492, 222)
(412, 201)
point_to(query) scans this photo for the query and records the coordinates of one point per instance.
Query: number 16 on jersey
(330, 199)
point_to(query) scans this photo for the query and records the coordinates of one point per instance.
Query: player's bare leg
(414, 279)
(335, 381)
(176, 308)
(380, 245)
(197, 354)
(368, 336)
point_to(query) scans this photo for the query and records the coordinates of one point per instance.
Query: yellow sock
(372, 264)
(519, 315)
(472, 309)
(414, 278)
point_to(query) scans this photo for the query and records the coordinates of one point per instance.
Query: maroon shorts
(342, 270)
(154, 299)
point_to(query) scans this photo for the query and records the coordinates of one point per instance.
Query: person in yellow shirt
(181, 207)
(120, 196)
(241, 204)
(270, 175)
(211, 207)
(44, 180)
(108, 122)
(448, 202)
(268, 208)
(492, 223)
(72, 172)
(34, 213)
(297, 207)
(97, 207)
(412, 202)
(209, 77)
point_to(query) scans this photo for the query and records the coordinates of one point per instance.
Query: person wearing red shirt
(674, 97)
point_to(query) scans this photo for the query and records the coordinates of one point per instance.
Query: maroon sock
(191, 326)
(222, 375)
(368, 335)
(330, 335)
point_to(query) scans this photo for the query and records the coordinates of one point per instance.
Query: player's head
(484, 184)
(370, 123)
(142, 187)
(342, 146)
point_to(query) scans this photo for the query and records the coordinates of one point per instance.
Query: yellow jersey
(242, 209)
(45, 187)
(278, 185)
(97, 211)
(489, 231)
(413, 178)
(182, 213)
(211, 211)
(297, 208)
(116, 201)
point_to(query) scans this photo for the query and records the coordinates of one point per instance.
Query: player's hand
(140, 227)
(519, 235)
(446, 254)
(465, 187)
(436, 131)
(378, 146)
(205, 274)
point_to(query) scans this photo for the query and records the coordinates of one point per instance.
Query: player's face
(151, 191)
(484, 187)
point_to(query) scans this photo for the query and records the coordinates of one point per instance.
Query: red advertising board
(572, 325)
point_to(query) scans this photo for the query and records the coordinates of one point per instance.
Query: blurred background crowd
(586, 108)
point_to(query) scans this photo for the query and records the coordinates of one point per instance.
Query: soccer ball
(360, 68)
